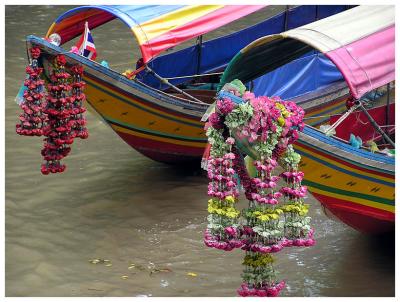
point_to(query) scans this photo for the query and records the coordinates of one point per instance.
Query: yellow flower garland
(258, 260)
(270, 214)
(228, 211)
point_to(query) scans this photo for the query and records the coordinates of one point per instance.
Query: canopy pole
(199, 46)
(387, 103)
(195, 75)
(286, 17)
(165, 81)
(376, 126)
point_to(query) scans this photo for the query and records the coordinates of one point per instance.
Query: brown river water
(145, 218)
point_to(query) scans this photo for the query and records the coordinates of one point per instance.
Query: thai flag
(86, 45)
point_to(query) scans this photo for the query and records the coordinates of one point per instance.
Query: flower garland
(31, 120)
(222, 231)
(60, 116)
(58, 110)
(77, 121)
(264, 128)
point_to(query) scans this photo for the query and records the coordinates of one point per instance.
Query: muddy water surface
(144, 217)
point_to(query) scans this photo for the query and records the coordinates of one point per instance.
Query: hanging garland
(263, 128)
(59, 117)
(32, 119)
(77, 121)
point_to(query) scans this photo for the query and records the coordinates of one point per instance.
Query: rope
(360, 121)
(195, 75)
(341, 119)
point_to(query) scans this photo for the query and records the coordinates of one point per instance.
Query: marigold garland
(265, 129)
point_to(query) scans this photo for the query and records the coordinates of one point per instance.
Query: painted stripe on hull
(347, 164)
(359, 217)
(335, 105)
(336, 167)
(350, 196)
(334, 109)
(155, 133)
(325, 180)
(134, 100)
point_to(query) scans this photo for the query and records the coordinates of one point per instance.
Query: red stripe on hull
(362, 218)
(162, 151)
(342, 161)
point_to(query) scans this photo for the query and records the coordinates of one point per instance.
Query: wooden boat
(149, 115)
(354, 184)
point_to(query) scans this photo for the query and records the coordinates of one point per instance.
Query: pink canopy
(359, 41)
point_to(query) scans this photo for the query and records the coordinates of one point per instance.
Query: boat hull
(358, 191)
(153, 130)
(162, 126)
(173, 137)
(168, 129)
(359, 217)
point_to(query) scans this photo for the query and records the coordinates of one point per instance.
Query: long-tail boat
(158, 110)
(354, 184)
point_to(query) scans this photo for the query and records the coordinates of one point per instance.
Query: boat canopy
(360, 42)
(156, 27)
(214, 55)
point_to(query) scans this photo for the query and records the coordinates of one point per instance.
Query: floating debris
(124, 277)
(191, 274)
(151, 266)
(136, 266)
(164, 283)
(94, 261)
(100, 261)
(160, 270)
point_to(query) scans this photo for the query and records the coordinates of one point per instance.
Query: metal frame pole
(199, 52)
(376, 126)
(286, 17)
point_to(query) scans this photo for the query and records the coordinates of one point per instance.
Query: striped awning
(359, 41)
(156, 27)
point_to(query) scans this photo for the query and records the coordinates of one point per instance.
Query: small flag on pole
(86, 45)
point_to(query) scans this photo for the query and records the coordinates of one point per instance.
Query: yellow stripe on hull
(329, 177)
(158, 139)
(347, 168)
(360, 201)
(140, 115)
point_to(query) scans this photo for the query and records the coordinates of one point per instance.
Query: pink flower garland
(277, 123)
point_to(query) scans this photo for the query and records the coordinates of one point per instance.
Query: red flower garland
(31, 120)
(60, 117)
(58, 110)
(77, 122)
